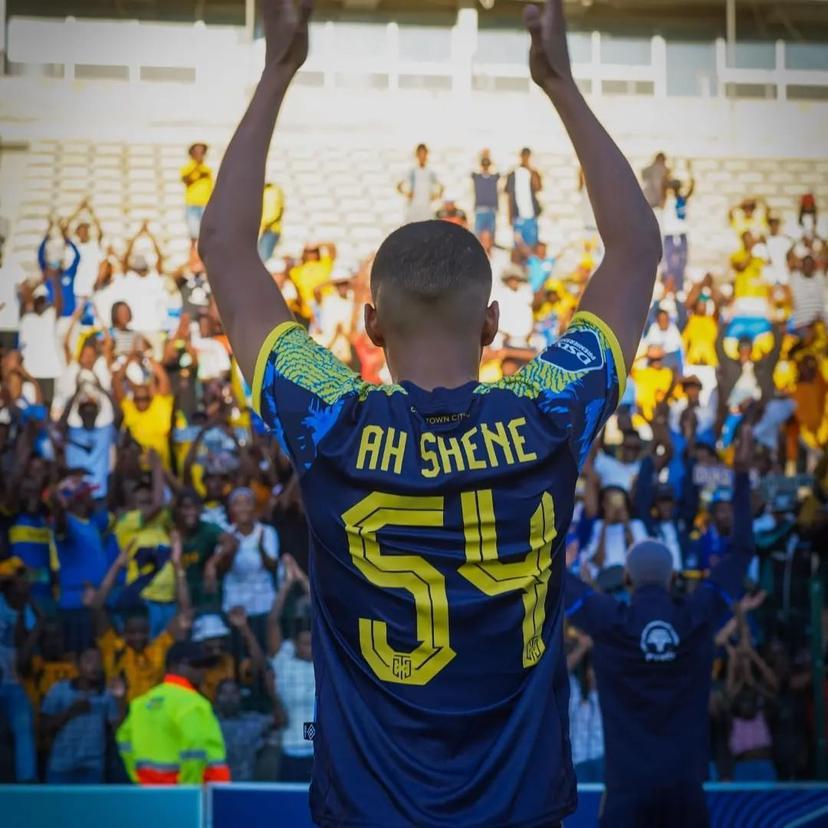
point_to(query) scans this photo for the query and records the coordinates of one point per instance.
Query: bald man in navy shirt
(653, 660)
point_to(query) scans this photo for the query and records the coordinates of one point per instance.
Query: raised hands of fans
(549, 54)
(286, 33)
(743, 448)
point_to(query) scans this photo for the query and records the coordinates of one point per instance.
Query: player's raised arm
(621, 289)
(248, 300)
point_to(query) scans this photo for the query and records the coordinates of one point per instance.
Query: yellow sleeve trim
(617, 354)
(261, 361)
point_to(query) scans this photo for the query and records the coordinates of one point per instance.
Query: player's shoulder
(588, 347)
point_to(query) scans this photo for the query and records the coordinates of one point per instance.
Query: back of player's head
(649, 562)
(431, 274)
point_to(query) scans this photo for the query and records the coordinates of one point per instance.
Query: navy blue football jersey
(437, 522)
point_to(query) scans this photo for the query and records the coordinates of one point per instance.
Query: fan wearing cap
(653, 660)
(171, 735)
(211, 631)
(515, 298)
(197, 178)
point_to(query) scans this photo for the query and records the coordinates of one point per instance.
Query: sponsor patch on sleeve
(578, 351)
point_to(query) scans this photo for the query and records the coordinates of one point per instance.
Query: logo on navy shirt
(659, 641)
(579, 351)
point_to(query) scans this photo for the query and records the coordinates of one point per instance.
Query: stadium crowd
(143, 503)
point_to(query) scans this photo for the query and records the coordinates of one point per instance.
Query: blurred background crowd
(143, 503)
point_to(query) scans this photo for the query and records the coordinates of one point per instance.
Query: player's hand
(549, 53)
(286, 33)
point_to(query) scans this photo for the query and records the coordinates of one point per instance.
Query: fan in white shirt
(515, 299)
(38, 336)
(335, 315)
(664, 333)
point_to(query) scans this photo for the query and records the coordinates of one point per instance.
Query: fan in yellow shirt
(748, 268)
(653, 382)
(148, 413)
(198, 182)
(273, 209)
(313, 272)
(699, 336)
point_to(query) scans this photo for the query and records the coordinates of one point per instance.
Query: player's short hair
(430, 265)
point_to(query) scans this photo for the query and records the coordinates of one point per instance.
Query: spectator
(31, 538)
(655, 178)
(59, 260)
(74, 717)
(273, 210)
(750, 216)
(421, 188)
(248, 572)
(622, 471)
(247, 666)
(700, 335)
(808, 289)
(43, 661)
(135, 657)
(16, 617)
(334, 323)
(293, 674)
(664, 334)
(39, 336)
(200, 542)
(522, 186)
(80, 532)
(89, 249)
(313, 271)
(89, 446)
(654, 381)
(212, 358)
(779, 245)
(614, 533)
(198, 183)
(171, 735)
(148, 411)
(515, 298)
(143, 288)
(675, 229)
(485, 183)
(244, 732)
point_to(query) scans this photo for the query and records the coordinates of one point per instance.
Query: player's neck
(436, 364)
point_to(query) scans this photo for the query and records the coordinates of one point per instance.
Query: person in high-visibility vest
(171, 735)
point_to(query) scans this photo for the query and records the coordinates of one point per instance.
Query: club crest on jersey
(659, 641)
(579, 351)
(401, 666)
